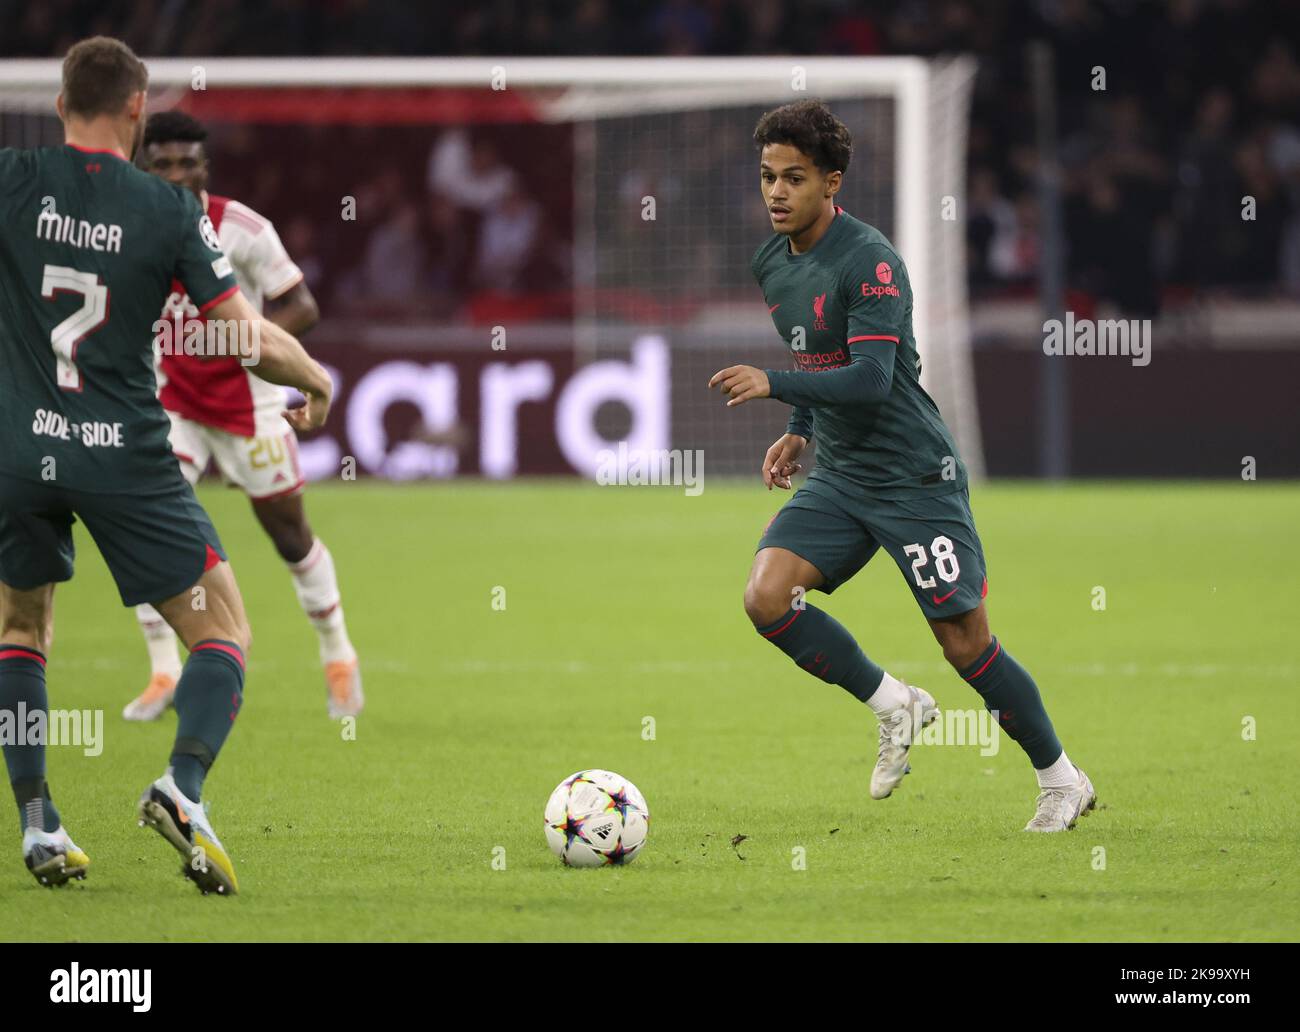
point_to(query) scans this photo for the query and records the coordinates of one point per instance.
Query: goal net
(547, 257)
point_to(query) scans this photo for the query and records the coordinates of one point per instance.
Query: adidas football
(595, 818)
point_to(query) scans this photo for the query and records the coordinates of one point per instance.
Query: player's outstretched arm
(281, 359)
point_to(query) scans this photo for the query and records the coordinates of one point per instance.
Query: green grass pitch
(625, 603)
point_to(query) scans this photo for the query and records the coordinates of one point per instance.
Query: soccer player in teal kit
(90, 248)
(887, 472)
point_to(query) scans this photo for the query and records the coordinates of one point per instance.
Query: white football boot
(1059, 808)
(897, 732)
(52, 856)
(184, 824)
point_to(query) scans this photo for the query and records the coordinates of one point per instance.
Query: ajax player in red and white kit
(221, 412)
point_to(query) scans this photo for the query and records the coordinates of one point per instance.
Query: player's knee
(16, 623)
(236, 632)
(961, 648)
(765, 601)
(23, 626)
(956, 656)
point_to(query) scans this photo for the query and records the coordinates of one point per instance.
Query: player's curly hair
(173, 127)
(810, 127)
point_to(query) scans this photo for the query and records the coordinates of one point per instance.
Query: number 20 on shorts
(266, 451)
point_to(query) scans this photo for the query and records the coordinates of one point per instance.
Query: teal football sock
(22, 698)
(208, 697)
(1011, 695)
(820, 644)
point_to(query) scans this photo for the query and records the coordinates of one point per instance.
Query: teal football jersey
(90, 247)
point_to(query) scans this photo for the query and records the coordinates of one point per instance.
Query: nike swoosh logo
(774, 308)
(940, 601)
(180, 811)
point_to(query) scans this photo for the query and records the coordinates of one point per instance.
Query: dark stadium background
(1202, 108)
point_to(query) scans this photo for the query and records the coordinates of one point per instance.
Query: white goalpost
(676, 131)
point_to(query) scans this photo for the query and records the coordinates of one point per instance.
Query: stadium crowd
(1179, 121)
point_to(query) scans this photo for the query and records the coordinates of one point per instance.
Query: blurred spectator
(448, 243)
(681, 27)
(1208, 197)
(591, 30)
(469, 175)
(393, 269)
(1253, 247)
(1276, 79)
(1110, 245)
(991, 232)
(507, 238)
(1282, 144)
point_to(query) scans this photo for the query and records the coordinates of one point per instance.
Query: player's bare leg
(775, 601)
(777, 579)
(26, 631)
(210, 620)
(312, 568)
(1011, 695)
(164, 654)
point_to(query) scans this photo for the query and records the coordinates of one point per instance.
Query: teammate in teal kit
(90, 248)
(887, 473)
